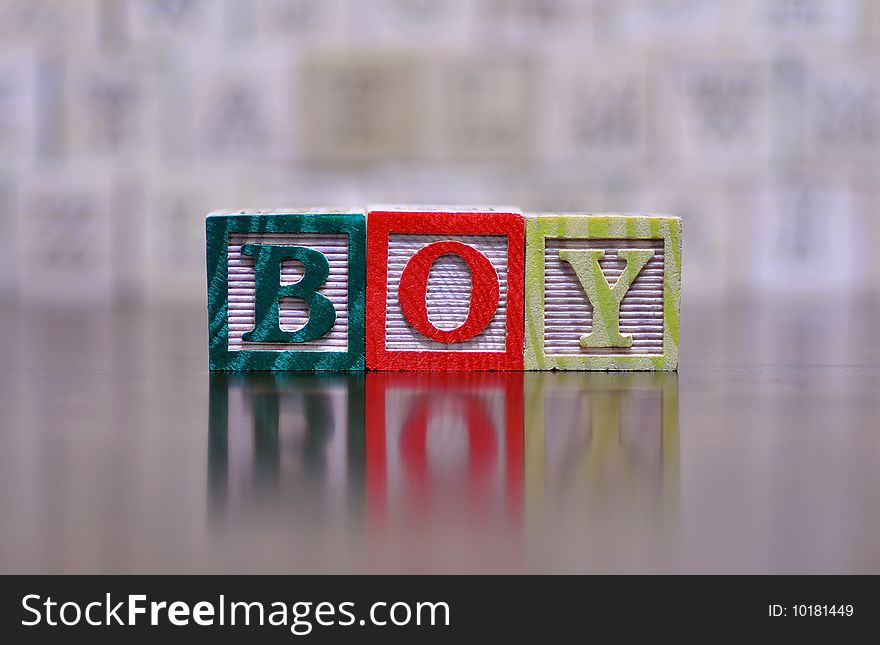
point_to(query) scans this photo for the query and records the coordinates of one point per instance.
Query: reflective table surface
(120, 452)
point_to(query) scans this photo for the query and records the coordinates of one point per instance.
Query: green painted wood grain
(219, 226)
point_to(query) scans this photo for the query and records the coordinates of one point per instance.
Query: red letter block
(445, 289)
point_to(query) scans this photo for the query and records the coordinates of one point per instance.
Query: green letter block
(603, 292)
(286, 291)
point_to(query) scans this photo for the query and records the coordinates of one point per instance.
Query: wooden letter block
(286, 291)
(445, 289)
(604, 292)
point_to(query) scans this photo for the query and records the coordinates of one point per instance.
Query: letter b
(269, 291)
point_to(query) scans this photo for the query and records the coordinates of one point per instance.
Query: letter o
(77, 613)
(485, 291)
(482, 443)
(408, 613)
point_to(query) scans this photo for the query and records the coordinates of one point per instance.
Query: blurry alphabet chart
(733, 114)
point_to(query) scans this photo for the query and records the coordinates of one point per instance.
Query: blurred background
(123, 122)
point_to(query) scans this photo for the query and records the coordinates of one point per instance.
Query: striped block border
(601, 227)
(219, 227)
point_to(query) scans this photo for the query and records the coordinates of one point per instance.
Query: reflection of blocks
(292, 440)
(286, 291)
(604, 292)
(445, 290)
(438, 445)
(591, 438)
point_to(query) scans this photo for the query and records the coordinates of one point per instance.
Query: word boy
(419, 288)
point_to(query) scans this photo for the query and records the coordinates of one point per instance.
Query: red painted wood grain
(381, 224)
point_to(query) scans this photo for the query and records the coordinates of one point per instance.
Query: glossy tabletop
(120, 452)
